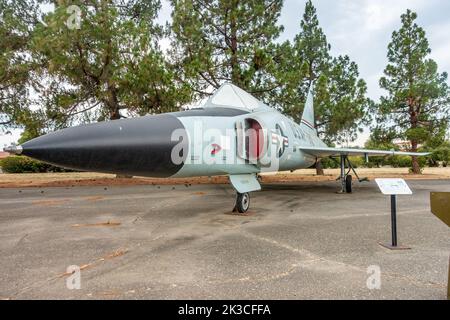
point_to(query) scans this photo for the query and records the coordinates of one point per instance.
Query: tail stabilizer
(308, 121)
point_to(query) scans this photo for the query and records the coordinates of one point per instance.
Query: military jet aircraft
(232, 134)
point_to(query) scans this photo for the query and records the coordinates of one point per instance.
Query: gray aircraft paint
(292, 158)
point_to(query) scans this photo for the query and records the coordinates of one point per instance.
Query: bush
(21, 164)
(357, 162)
(401, 162)
(376, 162)
(439, 156)
(328, 163)
(406, 161)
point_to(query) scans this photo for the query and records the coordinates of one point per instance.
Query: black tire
(348, 184)
(242, 202)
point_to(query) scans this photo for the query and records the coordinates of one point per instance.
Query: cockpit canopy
(230, 96)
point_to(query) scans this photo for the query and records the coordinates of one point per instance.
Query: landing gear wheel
(348, 184)
(242, 202)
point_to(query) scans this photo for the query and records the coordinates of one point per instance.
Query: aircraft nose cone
(139, 147)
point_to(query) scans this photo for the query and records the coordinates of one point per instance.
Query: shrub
(401, 161)
(377, 162)
(328, 163)
(357, 162)
(21, 164)
(406, 162)
(438, 156)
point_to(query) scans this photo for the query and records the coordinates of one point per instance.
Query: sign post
(394, 219)
(393, 187)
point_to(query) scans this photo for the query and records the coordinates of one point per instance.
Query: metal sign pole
(394, 219)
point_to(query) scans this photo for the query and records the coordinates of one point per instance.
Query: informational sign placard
(393, 187)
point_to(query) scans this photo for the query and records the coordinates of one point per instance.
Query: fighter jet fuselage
(232, 134)
(208, 141)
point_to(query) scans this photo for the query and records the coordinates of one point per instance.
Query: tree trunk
(415, 160)
(234, 62)
(113, 103)
(319, 168)
(114, 114)
(414, 118)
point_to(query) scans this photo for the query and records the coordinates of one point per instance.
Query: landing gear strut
(345, 176)
(242, 202)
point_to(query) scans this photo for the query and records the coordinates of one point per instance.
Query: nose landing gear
(242, 202)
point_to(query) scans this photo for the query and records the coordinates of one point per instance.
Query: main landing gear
(242, 202)
(345, 177)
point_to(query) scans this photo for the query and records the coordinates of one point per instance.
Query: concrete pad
(300, 241)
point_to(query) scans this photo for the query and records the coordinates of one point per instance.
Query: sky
(361, 29)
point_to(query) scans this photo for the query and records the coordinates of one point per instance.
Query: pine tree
(340, 95)
(103, 62)
(17, 19)
(312, 48)
(221, 41)
(418, 97)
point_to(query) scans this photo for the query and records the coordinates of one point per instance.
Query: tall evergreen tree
(221, 41)
(17, 19)
(312, 48)
(101, 60)
(340, 95)
(418, 99)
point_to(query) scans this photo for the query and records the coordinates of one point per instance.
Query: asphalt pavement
(299, 241)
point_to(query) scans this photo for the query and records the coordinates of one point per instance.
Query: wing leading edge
(330, 152)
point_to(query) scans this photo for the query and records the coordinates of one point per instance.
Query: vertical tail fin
(308, 121)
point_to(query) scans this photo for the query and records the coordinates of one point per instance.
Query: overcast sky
(361, 29)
